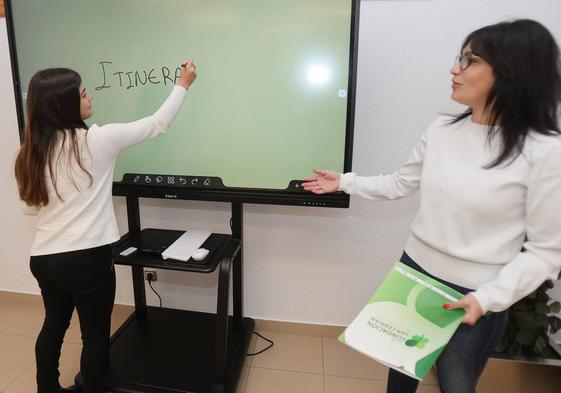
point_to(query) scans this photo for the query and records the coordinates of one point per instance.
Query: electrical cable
(271, 343)
(151, 287)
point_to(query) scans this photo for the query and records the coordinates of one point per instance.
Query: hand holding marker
(188, 74)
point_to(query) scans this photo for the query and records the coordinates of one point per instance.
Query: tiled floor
(306, 362)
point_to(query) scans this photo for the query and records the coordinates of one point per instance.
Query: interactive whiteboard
(273, 98)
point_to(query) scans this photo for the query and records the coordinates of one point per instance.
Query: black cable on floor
(150, 284)
(271, 343)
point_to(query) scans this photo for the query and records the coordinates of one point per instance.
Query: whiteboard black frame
(230, 194)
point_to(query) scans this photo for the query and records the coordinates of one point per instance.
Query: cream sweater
(85, 218)
(473, 222)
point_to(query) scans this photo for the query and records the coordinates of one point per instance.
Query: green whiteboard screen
(273, 98)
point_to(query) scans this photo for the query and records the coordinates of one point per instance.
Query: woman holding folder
(489, 222)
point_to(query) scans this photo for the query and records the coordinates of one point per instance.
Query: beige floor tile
(11, 313)
(22, 298)
(332, 331)
(68, 367)
(15, 306)
(25, 383)
(242, 382)
(73, 334)
(294, 364)
(69, 363)
(262, 380)
(504, 376)
(303, 329)
(290, 352)
(251, 349)
(119, 316)
(340, 360)
(29, 324)
(354, 385)
(431, 378)
(23, 316)
(16, 355)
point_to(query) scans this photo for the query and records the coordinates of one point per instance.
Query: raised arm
(119, 136)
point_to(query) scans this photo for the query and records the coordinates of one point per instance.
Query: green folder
(404, 325)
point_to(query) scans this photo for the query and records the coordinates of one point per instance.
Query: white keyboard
(185, 246)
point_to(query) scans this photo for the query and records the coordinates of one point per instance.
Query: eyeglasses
(465, 60)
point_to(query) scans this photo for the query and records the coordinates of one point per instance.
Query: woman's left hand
(471, 306)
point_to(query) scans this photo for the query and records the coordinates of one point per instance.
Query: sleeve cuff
(482, 300)
(345, 181)
(181, 89)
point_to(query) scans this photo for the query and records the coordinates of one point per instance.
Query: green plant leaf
(501, 348)
(529, 320)
(555, 307)
(541, 319)
(524, 338)
(542, 296)
(542, 308)
(554, 323)
(549, 354)
(539, 345)
(524, 321)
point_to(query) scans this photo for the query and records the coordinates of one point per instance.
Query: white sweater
(85, 218)
(473, 222)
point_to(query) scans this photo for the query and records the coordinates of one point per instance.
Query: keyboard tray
(153, 239)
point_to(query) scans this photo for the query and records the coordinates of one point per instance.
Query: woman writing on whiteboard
(64, 173)
(489, 223)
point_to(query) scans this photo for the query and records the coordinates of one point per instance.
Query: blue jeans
(463, 360)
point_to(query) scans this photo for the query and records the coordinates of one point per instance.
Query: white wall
(308, 264)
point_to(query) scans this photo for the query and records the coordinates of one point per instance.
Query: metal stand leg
(133, 214)
(221, 349)
(237, 284)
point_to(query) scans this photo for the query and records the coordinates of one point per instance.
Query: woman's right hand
(324, 182)
(188, 74)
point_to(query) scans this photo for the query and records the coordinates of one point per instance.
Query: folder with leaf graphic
(404, 324)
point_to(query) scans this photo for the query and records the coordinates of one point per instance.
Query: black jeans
(463, 360)
(84, 279)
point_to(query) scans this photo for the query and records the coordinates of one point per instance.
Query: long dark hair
(527, 89)
(53, 112)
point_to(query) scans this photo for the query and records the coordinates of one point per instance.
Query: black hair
(527, 89)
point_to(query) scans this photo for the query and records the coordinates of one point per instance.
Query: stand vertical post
(237, 234)
(133, 215)
(222, 332)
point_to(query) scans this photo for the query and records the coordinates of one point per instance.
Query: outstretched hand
(324, 182)
(188, 74)
(471, 306)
